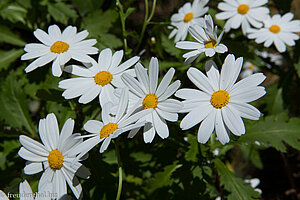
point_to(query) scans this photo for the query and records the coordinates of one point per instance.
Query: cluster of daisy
(129, 100)
(133, 98)
(257, 24)
(251, 15)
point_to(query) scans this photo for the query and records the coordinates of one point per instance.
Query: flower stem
(146, 21)
(120, 171)
(122, 17)
(219, 61)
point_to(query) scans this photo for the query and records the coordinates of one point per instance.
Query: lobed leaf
(274, 131)
(236, 186)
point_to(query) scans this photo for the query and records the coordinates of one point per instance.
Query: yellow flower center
(108, 129)
(251, 67)
(102, 78)
(210, 44)
(219, 99)
(188, 17)
(150, 101)
(243, 9)
(55, 159)
(59, 47)
(274, 29)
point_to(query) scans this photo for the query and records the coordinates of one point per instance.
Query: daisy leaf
(8, 57)
(7, 36)
(62, 12)
(14, 105)
(169, 46)
(274, 131)
(236, 186)
(162, 179)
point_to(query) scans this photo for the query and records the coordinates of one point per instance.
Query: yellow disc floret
(210, 44)
(55, 159)
(108, 129)
(243, 9)
(102, 78)
(251, 67)
(59, 47)
(188, 17)
(274, 29)
(219, 99)
(150, 101)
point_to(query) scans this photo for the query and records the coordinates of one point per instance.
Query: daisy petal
(196, 116)
(233, 120)
(93, 126)
(160, 126)
(105, 144)
(221, 131)
(246, 110)
(206, 128)
(200, 80)
(73, 183)
(33, 146)
(33, 168)
(170, 91)
(153, 75)
(165, 82)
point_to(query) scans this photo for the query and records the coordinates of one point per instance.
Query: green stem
(219, 62)
(146, 21)
(123, 24)
(152, 11)
(120, 171)
(212, 139)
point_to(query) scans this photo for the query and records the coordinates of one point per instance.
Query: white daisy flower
(145, 94)
(3, 196)
(99, 79)
(254, 182)
(248, 69)
(188, 15)
(243, 12)
(112, 125)
(208, 41)
(280, 30)
(219, 103)
(25, 193)
(55, 156)
(59, 47)
(276, 58)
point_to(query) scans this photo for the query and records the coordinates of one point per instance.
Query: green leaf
(8, 146)
(7, 36)
(141, 157)
(128, 12)
(169, 46)
(87, 6)
(297, 67)
(236, 186)
(133, 179)
(62, 112)
(14, 106)
(106, 40)
(13, 12)
(273, 131)
(274, 100)
(191, 154)
(99, 22)
(110, 157)
(162, 179)
(251, 153)
(62, 12)
(8, 57)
